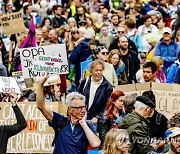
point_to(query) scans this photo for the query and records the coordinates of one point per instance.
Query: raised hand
(43, 79)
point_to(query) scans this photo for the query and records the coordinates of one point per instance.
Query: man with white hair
(75, 134)
(137, 126)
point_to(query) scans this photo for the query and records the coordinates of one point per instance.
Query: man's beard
(174, 149)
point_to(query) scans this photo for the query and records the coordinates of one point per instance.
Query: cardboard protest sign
(48, 64)
(12, 23)
(38, 136)
(85, 67)
(167, 95)
(29, 55)
(9, 84)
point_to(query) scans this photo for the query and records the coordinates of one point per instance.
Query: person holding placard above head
(73, 134)
(7, 131)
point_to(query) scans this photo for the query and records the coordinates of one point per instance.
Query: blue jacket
(100, 99)
(137, 39)
(177, 76)
(168, 52)
(78, 55)
(171, 73)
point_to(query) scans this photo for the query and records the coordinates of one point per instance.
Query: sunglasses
(104, 53)
(75, 32)
(80, 108)
(120, 32)
(123, 140)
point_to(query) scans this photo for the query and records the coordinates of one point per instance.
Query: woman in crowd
(159, 73)
(113, 115)
(116, 142)
(73, 39)
(109, 73)
(116, 60)
(72, 22)
(46, 22)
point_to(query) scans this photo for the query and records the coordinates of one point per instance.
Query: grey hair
(140, 106)
(74, 95)
(96, 62)
(129, 102)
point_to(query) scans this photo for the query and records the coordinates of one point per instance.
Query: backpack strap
(158, 118)
(62, 124)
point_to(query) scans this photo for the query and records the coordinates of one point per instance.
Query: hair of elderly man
(129, 102)
(140, 106)
(72, 96)
(96, 62)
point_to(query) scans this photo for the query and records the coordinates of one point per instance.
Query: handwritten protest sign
(9, 84)
(48, 63)
(167, 95)
(12, 23)
(38, 136)
(29, 55)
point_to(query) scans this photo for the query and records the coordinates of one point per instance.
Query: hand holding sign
(43, 79)
(13, 98)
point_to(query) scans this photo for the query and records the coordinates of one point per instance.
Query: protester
(113, 115)
(149, 70)
(136, 125)
(97, 90)
(7, 131)
(115, 58)
(80, 132)
(116, 141)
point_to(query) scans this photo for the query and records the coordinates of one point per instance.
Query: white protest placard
(9, 84)
(12, 23)
(48, 64)
(29, 55)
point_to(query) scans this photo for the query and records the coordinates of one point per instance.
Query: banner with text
(12, 23)
(38, 136)
(29, 56)
(167, 95)
(9, 84)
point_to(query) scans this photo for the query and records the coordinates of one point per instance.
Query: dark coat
(6, 131)
(132, 65)
(139, 132)
(100, 99)
(78, 55)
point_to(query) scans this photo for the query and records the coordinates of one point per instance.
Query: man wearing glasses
(76, 134)
(122, 32)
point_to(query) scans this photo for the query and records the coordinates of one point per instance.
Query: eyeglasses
(79, 108)
(120, 32)
(104, 53)
(75, 32)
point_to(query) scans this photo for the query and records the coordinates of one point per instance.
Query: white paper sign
(29, 55)
(48, 63)
(9, 84)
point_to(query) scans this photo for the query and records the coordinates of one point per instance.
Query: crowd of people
(127, 41)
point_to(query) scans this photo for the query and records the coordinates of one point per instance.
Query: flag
(30, 40)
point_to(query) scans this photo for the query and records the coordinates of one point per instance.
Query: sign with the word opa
(12, 23)
(9, 84)
(48, 64)
(29, 56)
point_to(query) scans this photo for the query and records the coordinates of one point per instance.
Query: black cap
(145, 100)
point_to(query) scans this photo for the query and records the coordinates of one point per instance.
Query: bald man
(130, 59)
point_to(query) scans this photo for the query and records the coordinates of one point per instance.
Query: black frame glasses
(79, 108)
